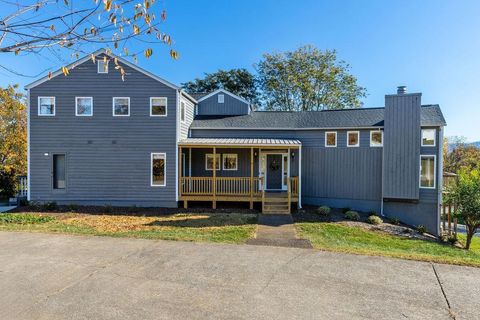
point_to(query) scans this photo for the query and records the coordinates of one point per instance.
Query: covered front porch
(246, 170)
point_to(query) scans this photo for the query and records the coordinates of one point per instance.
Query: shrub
(8, 184)
(107, 208)
(23, 203)
(394, 221)
(352, 215)
(72, 207)
(20, 218)
(421, 229)
(50, 206)
(373, 219)
(346, 209)
(323, 211)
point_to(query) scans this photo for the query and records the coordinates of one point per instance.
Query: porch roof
(242, 142)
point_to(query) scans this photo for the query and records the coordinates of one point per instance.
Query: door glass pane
(158, 169)
(427, 174)
(285, 170)
(59, 171)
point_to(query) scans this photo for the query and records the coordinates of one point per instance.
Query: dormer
(222, 103)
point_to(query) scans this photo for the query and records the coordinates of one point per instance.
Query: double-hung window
(158, 107)
(428, 137)
(83, 106)
(331, 139)
(209, 162)
(427, 171)
(158, 165)
(121, 106)
(102, 66)
(46, 106)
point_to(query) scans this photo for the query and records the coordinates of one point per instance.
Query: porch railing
(294, 186)
(22, 186)
(225, 186)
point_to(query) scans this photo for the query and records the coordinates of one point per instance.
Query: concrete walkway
(44, 276)
(6, 208)
(278, 230)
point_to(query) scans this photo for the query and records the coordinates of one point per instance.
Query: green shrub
(107, 208)
(346, 209)
(323, 211)
(394, 221)
(421, 229)
(23, 203)
(50, 206)
(373, 219)
(352, 215)
(20, 218)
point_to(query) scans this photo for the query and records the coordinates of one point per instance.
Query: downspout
(383, 168)
(440, 178)
(28, 145)
(177, 126)
(300, 177)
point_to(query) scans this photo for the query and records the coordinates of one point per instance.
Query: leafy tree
(13, 138)
(307, 79)
(238, 81)
(461, 155)
(466, 194)
(35, 26)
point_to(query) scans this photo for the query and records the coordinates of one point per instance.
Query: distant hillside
(452, 145)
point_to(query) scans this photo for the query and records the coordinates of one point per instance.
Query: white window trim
(102, 70)
(434, 137)
(326, 134)
(218, 98)
(183, 111)
(151, 105)
(236, 161)
(54, 107)
(211, 154)
(375, 145)
(76, 107)
(358, 139)
(434, 171)
(113, 107)
(164, 169)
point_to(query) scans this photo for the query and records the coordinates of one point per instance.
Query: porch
(265, 171)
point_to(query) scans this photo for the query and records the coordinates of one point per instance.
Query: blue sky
(433, 47)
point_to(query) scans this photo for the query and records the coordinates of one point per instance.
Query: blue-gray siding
(231, 106)
(108, 158)
(402, 146)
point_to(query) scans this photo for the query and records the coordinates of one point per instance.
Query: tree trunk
(470, 233)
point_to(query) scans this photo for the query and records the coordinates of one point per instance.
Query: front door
(274, 172)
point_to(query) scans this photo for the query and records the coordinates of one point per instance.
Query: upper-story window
(182, 111)
(121, 106)
(427, 171)
(353, 139)
(46, 106)
(376, 138)
(158, 107)
(428, 137)
(331, 139)
(83, 106)
(102, 66)
(221, 98)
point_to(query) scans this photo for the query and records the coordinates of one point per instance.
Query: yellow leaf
(65, 71)
(93, 58)
(136, 29)
(107, 4)
(148, 52)
(173, 54)
(116, 61)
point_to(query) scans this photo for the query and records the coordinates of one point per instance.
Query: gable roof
(211, 94)
(111, 55)
(431, 115)
(198, 95)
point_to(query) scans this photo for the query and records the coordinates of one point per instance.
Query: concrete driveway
(72, 277)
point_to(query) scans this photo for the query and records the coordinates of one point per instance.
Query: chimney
(401, 89)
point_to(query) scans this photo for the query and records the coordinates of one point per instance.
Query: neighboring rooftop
(198, 95)
(431, 115)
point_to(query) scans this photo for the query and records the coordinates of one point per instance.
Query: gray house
(95, 139)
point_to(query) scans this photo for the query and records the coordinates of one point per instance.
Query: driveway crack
(450, 311)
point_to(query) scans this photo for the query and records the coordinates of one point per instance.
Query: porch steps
(276, 203)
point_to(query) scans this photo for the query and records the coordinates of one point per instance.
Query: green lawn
(221, 227)
(342, 238)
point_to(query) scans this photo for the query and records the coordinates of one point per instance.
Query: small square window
(376, 138)
(428, 137)
(209, 162)
(427, 172)
(121, 106)
(158, 169)
(353, 139)
(83, 106)
(330, 139)
(221, 98)
(46, 106)
(230, 161)
(158, 107)
(102, 66)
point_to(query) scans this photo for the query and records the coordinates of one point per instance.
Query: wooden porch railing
(225, 186)
(294, 186)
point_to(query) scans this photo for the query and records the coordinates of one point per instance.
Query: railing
(294, 186)
(22, 187)
(225, 186)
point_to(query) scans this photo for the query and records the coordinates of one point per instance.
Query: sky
(431, 46)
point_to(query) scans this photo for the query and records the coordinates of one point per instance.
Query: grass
(220, 227)
(343, 238)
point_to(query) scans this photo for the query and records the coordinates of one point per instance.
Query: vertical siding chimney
(401, 152)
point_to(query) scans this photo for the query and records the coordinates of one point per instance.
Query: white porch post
(300, 177)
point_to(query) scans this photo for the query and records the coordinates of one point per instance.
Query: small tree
(466, 194)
